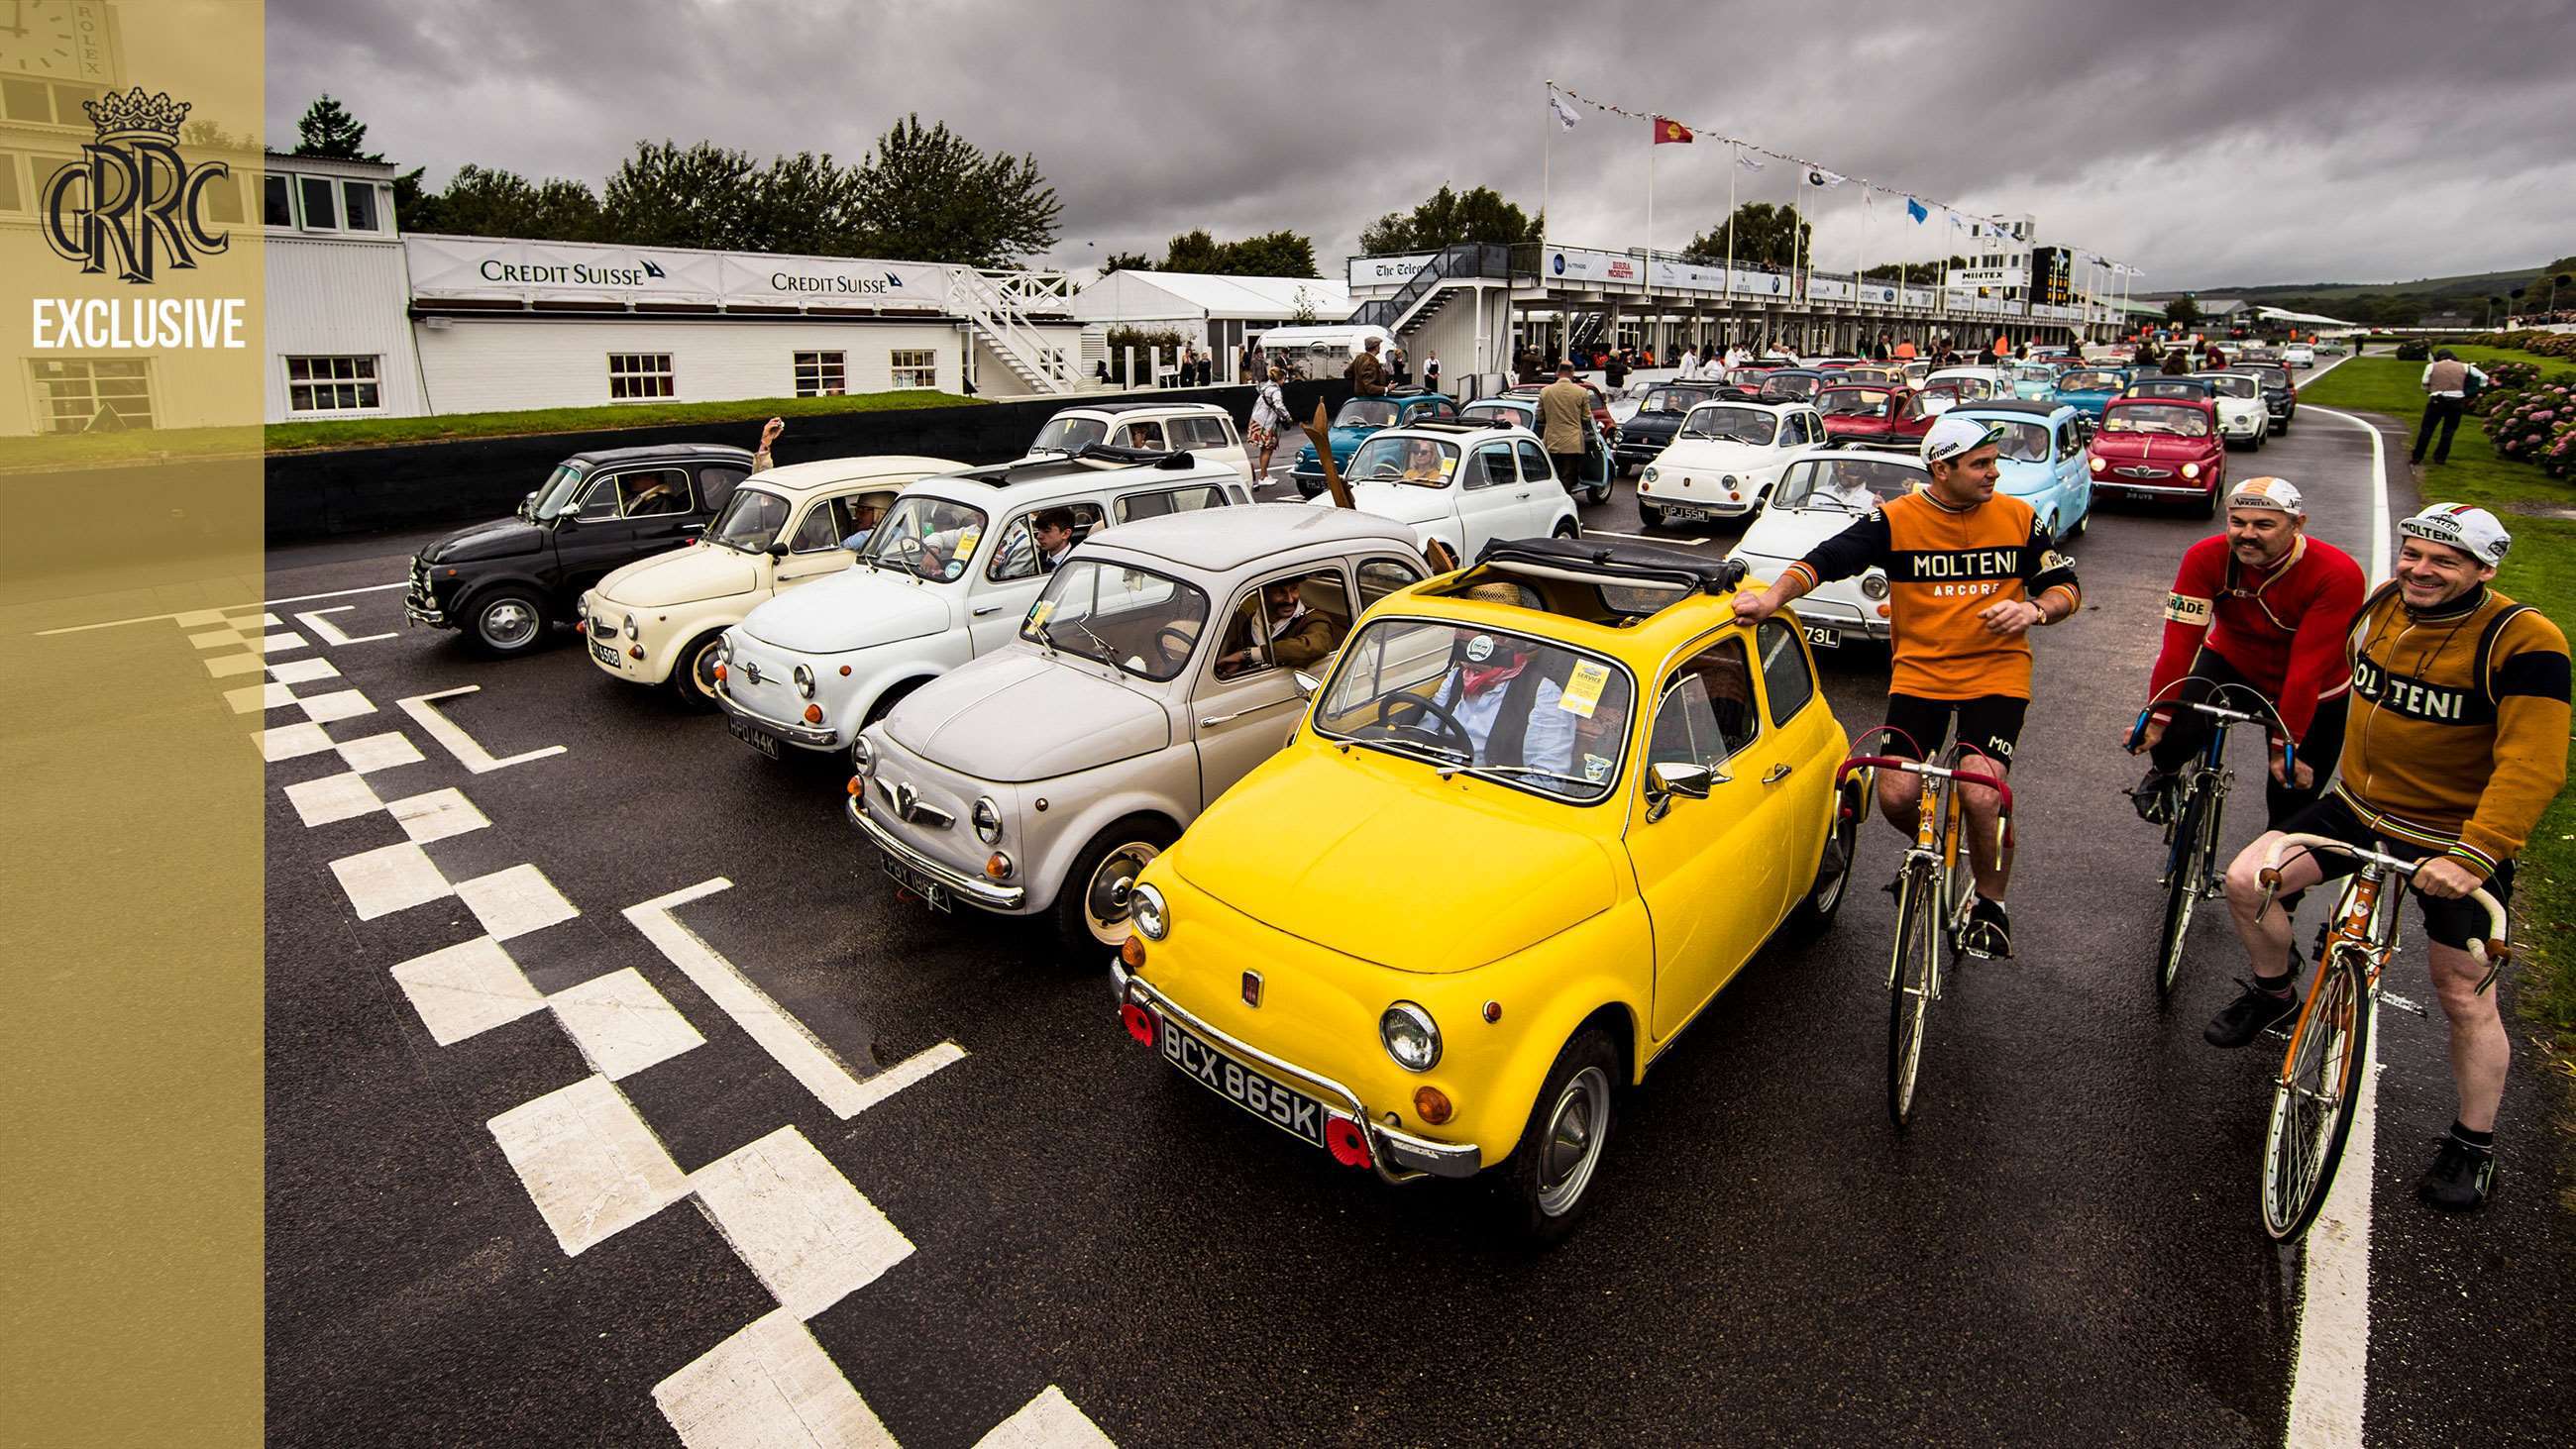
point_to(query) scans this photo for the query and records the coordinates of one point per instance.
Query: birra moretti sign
(476, 269)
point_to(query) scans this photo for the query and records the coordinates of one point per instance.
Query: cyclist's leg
(1990, 723)
(2319, 749)
(2480, 1047)
(1917, 727)
(2187, 729)
(2267, 941)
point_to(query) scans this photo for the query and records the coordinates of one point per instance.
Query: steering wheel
(1174, 643)
(1446, 727)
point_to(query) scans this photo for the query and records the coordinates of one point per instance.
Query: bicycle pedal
(2216, 892)
(2391, 998)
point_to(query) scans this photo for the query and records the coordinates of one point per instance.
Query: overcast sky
(2209, 144)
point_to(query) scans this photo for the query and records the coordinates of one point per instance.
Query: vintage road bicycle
(2319, 1087)
(2194, 871)
(1934, 890)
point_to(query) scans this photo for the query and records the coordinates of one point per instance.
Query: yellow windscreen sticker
(1583, 689)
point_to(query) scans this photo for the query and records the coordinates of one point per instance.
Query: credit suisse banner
(469, 269)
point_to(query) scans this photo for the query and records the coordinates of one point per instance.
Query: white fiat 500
(1202, 430)
(945, 576)
(1819, 496)
(659, 620)
(1157, 669)
(1459, 485)
(2242, 417)
(1725, 460)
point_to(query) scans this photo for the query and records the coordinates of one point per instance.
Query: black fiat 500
(504, 581)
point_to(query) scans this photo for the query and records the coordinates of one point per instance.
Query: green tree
(804, 204)
(1271, 254)
(1126, 262)
(2183, 312)
(1192, 251)
(485, 202)
(327, 129)
(1448, 217)
(1764, 235)
(929, 195)
(669, 196)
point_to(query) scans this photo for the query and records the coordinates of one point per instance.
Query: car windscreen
(1069, 435)
(2269, 375)
(1499, 415)
(1852, 402)
(1143, 622)
(1675, 400)
(2089, 382)
(1849, 484)
(2236, 386)
(560, 489)
(1365, 412)
(2151, 418)
(929, 538)
(750, 520)
(2153, 388)
(1793, 386)
(1969, 387)
(2021, 442)
(1731, 424)
(1425, 461)
(1522, 711)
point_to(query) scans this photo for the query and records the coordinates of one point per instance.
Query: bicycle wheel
(2316, 1096)
(1914, 974)
(2190, 862)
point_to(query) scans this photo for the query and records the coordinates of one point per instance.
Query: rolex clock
(64, 40)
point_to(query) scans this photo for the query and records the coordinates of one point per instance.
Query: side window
(1198, 433)
(1706, 711)
(821, 530)
(1785, 677)
(1173, 500)
(1144, 433)
(654, 491)
(715, 483)
(1534, 464)
(1023, 553)
(1380, 577)
(1492, 468)
(1285, 623)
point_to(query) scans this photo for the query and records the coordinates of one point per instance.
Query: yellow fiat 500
(1482, 887)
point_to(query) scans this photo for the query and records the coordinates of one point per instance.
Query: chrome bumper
(972, 889)
(2185, 489)
(815, 737)
(1399, 1157)
(416, 613)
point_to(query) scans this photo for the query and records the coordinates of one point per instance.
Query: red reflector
(1140, 1022)
(1348, 1143)
(581, 626)
(720, 671)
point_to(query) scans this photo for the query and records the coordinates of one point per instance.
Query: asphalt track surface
(2065, 1248)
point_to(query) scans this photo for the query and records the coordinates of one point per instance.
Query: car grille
(2137, 472)
(420, 590)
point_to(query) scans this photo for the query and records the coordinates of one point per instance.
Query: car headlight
(1729, 482)
(1651, 474)
(2191, 470)
(2095, 462)
(1873, 584)
(863, 758)
(1145, 906)
(631, 630)
(803, 674)
(988, 819)
(1411, 1037)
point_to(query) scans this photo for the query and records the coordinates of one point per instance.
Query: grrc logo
(134, 201)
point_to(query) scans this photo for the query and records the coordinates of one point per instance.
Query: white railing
(998, 304)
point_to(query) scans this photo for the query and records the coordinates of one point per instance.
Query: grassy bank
(2541, 571)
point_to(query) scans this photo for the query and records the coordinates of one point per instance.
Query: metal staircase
(998, 305)
(1427, 291)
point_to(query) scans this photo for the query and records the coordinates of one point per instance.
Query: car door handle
(988, 609)
(1776, 774)
(1210, 722)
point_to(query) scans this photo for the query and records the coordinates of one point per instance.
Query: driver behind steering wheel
(1498, 693)
(1297, 636)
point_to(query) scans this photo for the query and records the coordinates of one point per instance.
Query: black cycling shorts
(2449, 922)
(1989, 722)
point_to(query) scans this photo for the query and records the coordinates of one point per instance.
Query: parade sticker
(1596, 768)
(1583, 689)
(1480, 649)
(1448, 466)
(1040, 612)
(967, 539)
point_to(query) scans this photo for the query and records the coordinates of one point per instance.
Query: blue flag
(1916, 210)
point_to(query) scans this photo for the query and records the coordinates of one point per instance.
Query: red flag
(1666, 131)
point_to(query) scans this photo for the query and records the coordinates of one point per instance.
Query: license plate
(752, 735)
(1294, 1113)
(1822, 637)
(1685, 515)
(2140, 495)
(932, 893)
(604, 653)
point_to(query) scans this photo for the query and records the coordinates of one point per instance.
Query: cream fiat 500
(1158, 667)
(658, 620)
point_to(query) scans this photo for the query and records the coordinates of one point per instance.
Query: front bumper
(812, 737)
(426, 615)
(2162, 481)
(972, 889)
(1845, 617)
(1398, 1156)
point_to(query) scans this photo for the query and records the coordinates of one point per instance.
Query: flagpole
(1734, 164)
(1546, 161)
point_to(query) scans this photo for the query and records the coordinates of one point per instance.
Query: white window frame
(286, 365)
(266, 177)
(668, 372)
(896, 368)
(375, 203)
(832, 360)
(40, 402)
(304, 208)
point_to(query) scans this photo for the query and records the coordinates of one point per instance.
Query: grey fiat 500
(1157, 669)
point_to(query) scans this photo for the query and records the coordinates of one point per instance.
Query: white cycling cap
(2471, 530)
(1953, 437)
(2278, 493)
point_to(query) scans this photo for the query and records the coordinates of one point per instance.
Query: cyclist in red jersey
(2263, 605)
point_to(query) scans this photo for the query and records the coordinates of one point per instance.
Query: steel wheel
(2315, 1098)
(1570, 1141)
(693, 675)
(1104, 896)
(509, 622)
(1091, 905)
(1913, 977)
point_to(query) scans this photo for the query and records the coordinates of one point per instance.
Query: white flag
(1957, 223)
(1818, 176)
(1747, 159)
(1565, 115)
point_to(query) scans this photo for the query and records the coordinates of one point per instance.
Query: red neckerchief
(1473, 681)
(2298, 551)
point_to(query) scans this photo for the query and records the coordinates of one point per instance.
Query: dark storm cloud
(2210, 144)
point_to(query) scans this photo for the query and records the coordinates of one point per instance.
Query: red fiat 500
(2160, 450)
(1889, 414)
